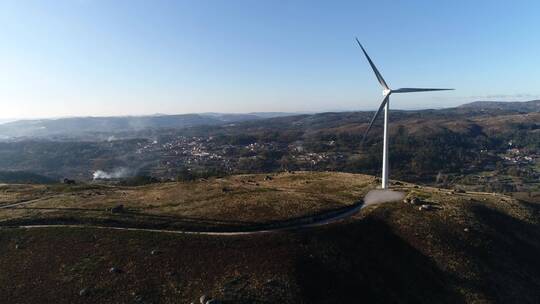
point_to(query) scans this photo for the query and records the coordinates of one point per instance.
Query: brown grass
(234, 200)
(478, 248)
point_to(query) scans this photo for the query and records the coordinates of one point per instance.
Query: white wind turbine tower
(386, 105)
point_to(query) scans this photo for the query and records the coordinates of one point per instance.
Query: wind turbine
(386, 106)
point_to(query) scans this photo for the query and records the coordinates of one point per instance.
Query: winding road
(320, 220)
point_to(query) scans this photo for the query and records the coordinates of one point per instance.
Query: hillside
(492, 150)
(456, 144)
(467, 247)
(127, 126)
(21, 177)
(519, 106)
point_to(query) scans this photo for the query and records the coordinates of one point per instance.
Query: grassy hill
(469, 247)
(234, 201)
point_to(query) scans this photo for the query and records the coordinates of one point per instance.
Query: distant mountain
(123, 127)
(277, 114)
(76, 126)
(520, 106)
(247, 116)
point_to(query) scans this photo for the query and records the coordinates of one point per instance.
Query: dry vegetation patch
(462, 251)
(238, 200)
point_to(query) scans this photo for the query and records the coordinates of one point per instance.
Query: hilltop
(233, 202)
(465, 247)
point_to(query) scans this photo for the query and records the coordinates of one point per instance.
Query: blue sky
(90, 57)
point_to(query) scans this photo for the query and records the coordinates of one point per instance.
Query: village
(507, 170)
(194, 153)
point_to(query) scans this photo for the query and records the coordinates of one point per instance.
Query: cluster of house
(193, 151)
(517, 156)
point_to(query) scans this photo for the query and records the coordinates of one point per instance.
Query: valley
(470, 147)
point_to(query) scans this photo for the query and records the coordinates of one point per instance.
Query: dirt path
(22, 203)
(321, 222)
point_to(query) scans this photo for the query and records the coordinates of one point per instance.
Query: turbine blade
(381, 107)
(409, 90)
(377, 74)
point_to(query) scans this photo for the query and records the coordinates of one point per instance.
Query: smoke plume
(116, 173)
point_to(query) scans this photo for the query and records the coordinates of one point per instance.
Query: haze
(79, 58)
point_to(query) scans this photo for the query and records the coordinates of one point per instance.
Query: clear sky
(91, 57)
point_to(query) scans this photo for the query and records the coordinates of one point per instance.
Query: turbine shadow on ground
(367, 262)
